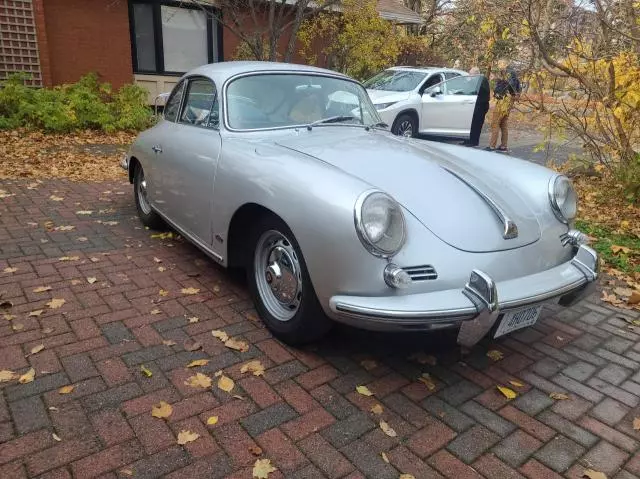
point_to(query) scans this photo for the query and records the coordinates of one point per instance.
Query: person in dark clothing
(506, 91)
(481, 108)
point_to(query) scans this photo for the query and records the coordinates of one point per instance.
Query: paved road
(304, 413)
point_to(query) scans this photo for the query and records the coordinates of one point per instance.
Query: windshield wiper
(331, 119)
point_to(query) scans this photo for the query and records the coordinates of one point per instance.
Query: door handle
(156, 148)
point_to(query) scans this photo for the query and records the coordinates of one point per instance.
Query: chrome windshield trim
(510, 229)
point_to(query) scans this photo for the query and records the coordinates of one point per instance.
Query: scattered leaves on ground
(255, 450)
(368, 364)
(225, 383)
(377, 409)
(407, 476)
(237, 345)
(56, 198)
(155, 311)
(212, 420)
(64, 228)
(388, 430)
(84, 212)
(199, 381)
(508, 393)
(36, 313)
(68, 258)
(255, 367)
(221, 335)
(146, 371)
(384, 457)
(193, 319)
(191, 345)
(6, 375)
(592, 474)
(9, 270)
(636, 423)
(364, 390)
(421, 357)
(189, 290)
(197, 362)
(56, 303)
(495, 355)
(163, 292)
(185, 437)
(262, 468)
(427, 380)
(162, 410)
(517, 384)
(558, 396)
(91, 279)
(66, 389)
(42, 289)
(55, 437)
(27, 377)
(169, 342)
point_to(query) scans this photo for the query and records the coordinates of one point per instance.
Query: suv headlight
(379, 223)
(563, 198)
(382, 106)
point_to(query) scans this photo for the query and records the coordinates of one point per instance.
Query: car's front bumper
(481, 301)
(124, 162)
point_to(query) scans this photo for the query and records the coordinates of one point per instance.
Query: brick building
(151, 42)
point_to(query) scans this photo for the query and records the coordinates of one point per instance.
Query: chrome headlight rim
(370, 246)
(555, 207)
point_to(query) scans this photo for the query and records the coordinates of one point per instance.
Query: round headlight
(379, 223)
(563, 198)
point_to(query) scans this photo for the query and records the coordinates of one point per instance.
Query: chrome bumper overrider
(477, 306)
(124, 162)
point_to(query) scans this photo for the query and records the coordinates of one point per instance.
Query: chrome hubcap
(278, 275)
(142, 194)
(405, 129)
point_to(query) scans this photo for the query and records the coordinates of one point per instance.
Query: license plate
(521, 318)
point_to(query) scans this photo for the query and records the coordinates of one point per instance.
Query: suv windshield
(281, 100)
(395, 80)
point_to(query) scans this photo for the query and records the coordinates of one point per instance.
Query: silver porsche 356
(287, 171)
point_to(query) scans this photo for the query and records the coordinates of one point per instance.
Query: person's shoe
(503, 149)
(488, 148)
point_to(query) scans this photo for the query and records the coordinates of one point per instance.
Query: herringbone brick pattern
(304, 413)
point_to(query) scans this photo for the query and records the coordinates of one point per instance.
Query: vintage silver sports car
(286, 171)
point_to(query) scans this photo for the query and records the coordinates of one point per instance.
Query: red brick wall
(82, 36)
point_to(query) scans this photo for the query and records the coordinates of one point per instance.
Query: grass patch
(607, 242)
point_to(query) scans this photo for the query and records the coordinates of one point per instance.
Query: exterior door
(190, 159)
(448, 107)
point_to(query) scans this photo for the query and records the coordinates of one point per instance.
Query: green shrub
(87, 104)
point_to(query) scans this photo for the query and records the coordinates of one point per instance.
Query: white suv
(430, 100)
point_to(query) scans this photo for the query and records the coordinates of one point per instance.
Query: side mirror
(435, 92)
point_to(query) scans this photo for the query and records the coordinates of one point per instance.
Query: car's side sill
(205, 249)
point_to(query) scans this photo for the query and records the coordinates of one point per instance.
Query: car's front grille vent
(422, 273)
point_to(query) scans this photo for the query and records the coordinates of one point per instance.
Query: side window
(449, 75)
(200, 103)
(462, 85)
(173, 104)
(433, 80)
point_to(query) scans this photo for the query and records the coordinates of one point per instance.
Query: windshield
(281, 100)
(395, 80)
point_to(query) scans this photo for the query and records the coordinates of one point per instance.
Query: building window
(170, 38)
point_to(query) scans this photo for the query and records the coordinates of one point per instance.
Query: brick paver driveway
(304, 413)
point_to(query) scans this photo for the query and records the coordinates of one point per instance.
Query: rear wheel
(280, 285)
(140, 187)
(405, 125)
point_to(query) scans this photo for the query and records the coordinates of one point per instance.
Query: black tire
(148, 217)
(309, 323)
(405, 125)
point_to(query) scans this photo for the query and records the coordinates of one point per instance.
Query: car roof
(426, 69)
(221, 71)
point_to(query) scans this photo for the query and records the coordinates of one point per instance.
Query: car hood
(383, 96)
(441, 189)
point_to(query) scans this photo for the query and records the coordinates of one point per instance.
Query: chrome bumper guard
(124, 163)
(479, 306)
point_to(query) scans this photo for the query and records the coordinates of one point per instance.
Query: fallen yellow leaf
(155, 311)
(407, 476)
(17, 326)
(163, 292)
(197, 362)
(615, 249)
(56, 303)
(634, 298)
(262, 468)
(427, 380)
(384, 457)
(69, 258)
(255, 450)
(558, 396)
(495, 355)
(37, 349)
(364, 390)
(193, 319)
(212, 421)
(157, 260)
(221, 335)
(9, 270)
(55, 437)
(161, 268)
(27, 377)
(190, 290)
(636, 423)
(126, 472)
(508, 393)
(56, 198)
(91, 280)
(592, 474)
(6, 375)
(517, 384)
(255, 367)
(199, 381)
(161, 410)
(84, 212)
(387, 429)
(36, 313)
(146, 371)
(225, 383)
(237, 345)
(169, 342)
(377, 409)
(42, 289)
(185, 437)
(66, 389)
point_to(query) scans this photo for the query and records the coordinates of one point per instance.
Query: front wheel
(148, 217)
(280, 286)
(405, 125)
